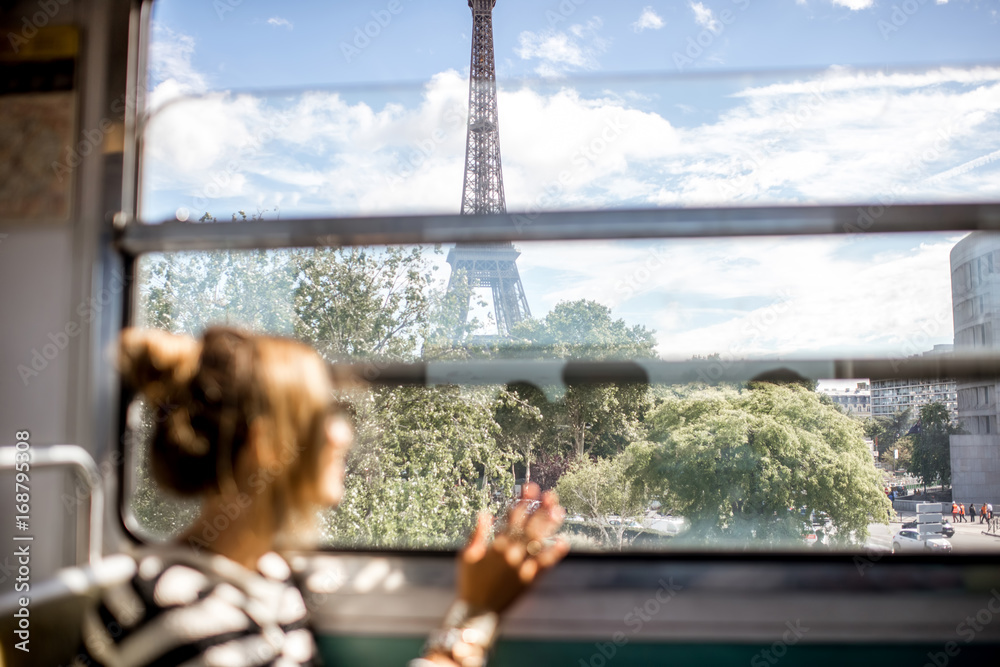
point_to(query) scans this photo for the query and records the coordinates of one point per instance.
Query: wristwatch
(466, 635)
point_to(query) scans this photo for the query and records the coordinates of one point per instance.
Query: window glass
(600, 105)
(832, 136)
(703, 464)
(277, 111)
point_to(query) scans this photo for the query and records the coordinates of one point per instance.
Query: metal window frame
(130, 238)
(135, 239)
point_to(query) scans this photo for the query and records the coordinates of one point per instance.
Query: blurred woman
(234, 407)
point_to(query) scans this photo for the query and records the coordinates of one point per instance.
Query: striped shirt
(183, 608)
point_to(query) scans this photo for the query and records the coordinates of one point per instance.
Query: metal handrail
(57, 456)
(547, 373)
(604, 224)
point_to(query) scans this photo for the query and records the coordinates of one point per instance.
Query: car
(946, 528)
(616, 520)
(909, 540)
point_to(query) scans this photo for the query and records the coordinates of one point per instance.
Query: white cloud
(648, 20)
(747, 298)
(703, 15)
(559, 52)
(842, 136)
(278, 22)
(854, 5)
(171, 73)
(838, 137)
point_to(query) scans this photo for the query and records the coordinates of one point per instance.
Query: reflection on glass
(837, 135)
(758, 298)
(694, 466)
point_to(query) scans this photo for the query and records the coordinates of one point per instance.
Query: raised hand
(492, 575)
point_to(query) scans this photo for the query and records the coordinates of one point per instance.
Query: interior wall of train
(69, 75)
(65, 65)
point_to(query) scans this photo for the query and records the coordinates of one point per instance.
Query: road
(968, 538)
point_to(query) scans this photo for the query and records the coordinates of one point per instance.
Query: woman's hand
(492, 575)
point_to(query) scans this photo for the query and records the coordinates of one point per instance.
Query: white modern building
(854, 401)
(975, 290)
(892, 396)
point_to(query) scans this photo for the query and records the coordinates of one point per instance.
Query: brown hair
(212, 395)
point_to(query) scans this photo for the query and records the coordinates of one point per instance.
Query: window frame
(131, 238)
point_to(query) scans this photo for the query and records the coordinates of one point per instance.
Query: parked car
(946, 528)
(909, 540)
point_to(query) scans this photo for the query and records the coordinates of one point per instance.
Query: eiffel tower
(490, 265)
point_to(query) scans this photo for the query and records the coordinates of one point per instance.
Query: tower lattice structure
(492, 265)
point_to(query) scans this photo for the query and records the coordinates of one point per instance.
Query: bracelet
(466, 635)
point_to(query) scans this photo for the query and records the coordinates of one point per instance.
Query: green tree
(187, 292)
(610, 492)
(425, 462)
(886, 430)
(740, 464)
(519, 423)
(904, 446)
(931, 457)
(589, 419)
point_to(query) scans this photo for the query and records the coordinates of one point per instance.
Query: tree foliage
(886, 431)
(424, 465)
(733, 460)
(588, 419)
(740, 464)
(903, 447)
(604, 487)
(931, 456)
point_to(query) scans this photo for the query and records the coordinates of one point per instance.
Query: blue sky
(261, 44)
(625, 104)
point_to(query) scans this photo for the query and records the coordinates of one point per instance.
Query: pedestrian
(984, 514)
(961, 512)
(972, 512)
(989, 508)
(954, 512)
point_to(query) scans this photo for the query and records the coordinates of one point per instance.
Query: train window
(714, 309)
(687, 452)
(830, 136)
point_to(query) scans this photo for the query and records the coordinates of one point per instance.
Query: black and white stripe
(185, 609)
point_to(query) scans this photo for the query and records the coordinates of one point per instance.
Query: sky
(358, 108)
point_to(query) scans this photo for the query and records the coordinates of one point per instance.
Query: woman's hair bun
(156, 363)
